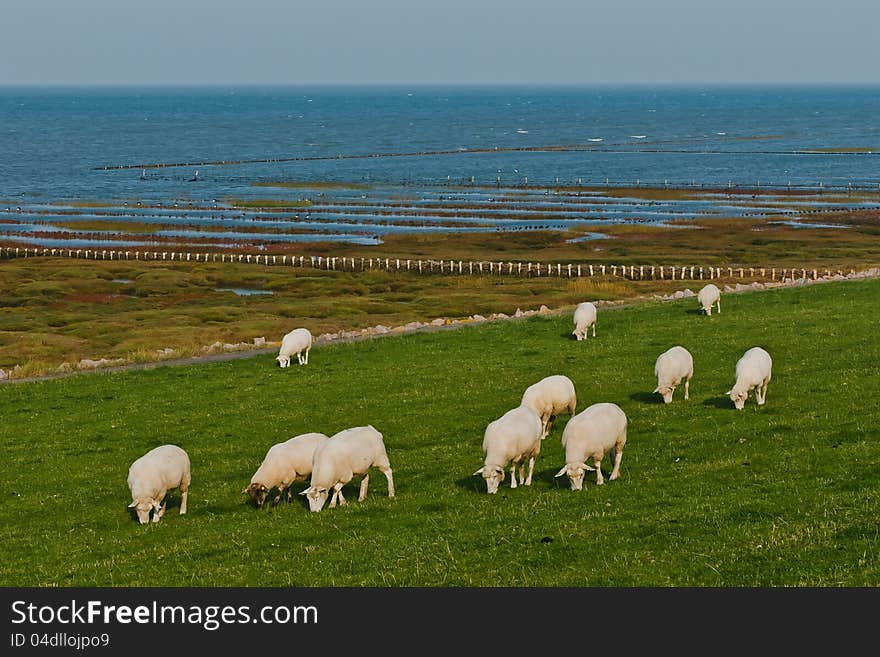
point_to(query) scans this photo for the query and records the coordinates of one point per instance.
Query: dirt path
(429, 328)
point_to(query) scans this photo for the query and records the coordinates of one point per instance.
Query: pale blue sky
(231, 42)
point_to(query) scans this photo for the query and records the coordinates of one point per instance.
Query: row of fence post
(443, 266)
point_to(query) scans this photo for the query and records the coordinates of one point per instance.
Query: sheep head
(316, 495)
(494, 475)
(143, 506)
(575, 473)
(257, 493)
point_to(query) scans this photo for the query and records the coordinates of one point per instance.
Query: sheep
(593, 432)
(708, 295)
(341, 457)
(752, 371)
(298, 342)
(584, 318)
(549, 397)
(672, 367)
(284, 463)
(512, 438)
(154, 474)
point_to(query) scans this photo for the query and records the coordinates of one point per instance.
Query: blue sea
(71, 145)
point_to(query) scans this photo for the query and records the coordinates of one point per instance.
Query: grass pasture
(783, 495)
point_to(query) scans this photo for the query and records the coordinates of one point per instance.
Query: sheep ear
(244, 490)
(306, 491)
(588, 468)
(657, 389)
(478, 472)
(561, 472)
(729, 392)
(133, 504)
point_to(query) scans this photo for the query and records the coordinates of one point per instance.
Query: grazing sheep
(584, 318)
(672, 367)
(298, 342)
(549, 397)
(343, 456)
(752, 371)
(284, 463)
(512, 438)
(593, 432)
(710, 294)
(154, 474)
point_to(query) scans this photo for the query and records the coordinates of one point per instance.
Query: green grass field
(783, 495)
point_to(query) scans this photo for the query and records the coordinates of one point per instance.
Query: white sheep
(283, 464)
(549, 397)
(584, 318)
(513, 438)
(672, 367)
(341, 457)
(753, 370)
(593, 432)
(710, 294)
(155, 473)
(298, 342)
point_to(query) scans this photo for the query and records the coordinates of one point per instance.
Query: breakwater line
(450, 267)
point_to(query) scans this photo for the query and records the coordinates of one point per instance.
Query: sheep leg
(594, 330)
(549, 425)
(618, 454)
(299, 358)
(687, 383)
(278, 497)
(364, 483)
(341, 497)
(183, 494)
(307, 356)
(387, 472)
(522, 473)
(719, 306)
(528, 481)
(513, 476)
(599, 478)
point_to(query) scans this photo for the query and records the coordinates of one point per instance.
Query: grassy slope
(788, 494)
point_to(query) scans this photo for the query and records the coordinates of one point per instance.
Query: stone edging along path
(260, 346)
